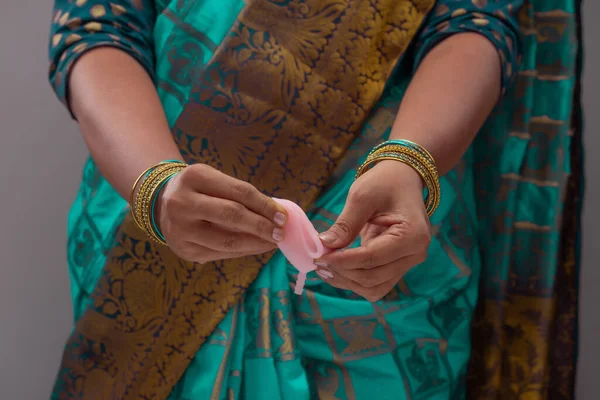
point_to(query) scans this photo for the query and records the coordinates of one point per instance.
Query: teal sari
(503, 249)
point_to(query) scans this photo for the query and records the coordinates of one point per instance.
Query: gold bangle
(421, 153)
(145, 213)
(137, 204)
(433, 197)
(151, 229)
(405, 144)
(418, 160)
(414, 156)
(141, 201)
(143, 175)
(135, 184)
(147, 207)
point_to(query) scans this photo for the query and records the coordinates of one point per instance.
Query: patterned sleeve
(81, 25)
(494, 19)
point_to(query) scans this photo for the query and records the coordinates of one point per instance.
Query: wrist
(413, 169)
(401, 174)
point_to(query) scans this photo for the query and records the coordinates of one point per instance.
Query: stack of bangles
(143, 200)
(416, 157)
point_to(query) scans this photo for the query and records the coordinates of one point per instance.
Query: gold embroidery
(285, 333)
(117, 9)
(72, 38)
(528, 349)
(263, 338)
(222, 368)
(359, 336)
(328, 384)
(56, 39)
(98, 11)
(93, 27)
(63, 20)
(73, 23)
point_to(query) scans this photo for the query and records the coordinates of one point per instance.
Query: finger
(376, 276)
(214, 183)
(371, 231)
(201, 254)
(351, 221)
(371, 294)
(235, 217)
(392, 245)
(216, 238)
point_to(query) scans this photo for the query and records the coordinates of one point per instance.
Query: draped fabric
(529, 184)
(149, 325)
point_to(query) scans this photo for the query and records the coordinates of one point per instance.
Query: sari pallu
(139, 333)
(525, 328)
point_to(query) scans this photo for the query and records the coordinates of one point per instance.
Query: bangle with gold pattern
(413, 155)
(143, 201)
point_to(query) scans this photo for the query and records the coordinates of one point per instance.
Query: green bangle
(153, 207)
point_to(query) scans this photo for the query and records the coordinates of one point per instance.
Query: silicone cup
(301, 244)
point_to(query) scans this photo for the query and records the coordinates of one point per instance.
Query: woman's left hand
(385, 206)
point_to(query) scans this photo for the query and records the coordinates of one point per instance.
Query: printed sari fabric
(257, 89)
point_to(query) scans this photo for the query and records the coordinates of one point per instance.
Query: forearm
(452, 93)
(120, 116)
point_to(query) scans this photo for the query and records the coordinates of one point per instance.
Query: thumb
(346, 228)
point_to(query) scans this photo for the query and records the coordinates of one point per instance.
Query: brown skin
(204, 214)
(385, 205)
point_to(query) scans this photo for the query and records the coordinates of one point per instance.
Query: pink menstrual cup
(301, 245)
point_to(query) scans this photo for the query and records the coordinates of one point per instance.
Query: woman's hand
(206, 215)
(385, 206)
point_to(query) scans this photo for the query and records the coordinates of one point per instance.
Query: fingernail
(280, 219)
(278, 234)
(328, 237)
(320, 264)
(325, 274)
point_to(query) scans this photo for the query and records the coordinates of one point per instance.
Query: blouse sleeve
(81, 25)
(494, 19)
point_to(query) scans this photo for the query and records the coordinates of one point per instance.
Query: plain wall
(41, 155)
(588, 387)
(41, 158)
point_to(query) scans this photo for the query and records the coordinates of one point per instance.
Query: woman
(210, 108)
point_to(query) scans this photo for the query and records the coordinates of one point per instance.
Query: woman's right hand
(206, 215)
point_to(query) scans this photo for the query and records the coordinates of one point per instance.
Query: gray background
(41, 154)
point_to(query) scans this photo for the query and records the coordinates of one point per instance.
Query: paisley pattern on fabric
(151, 326)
